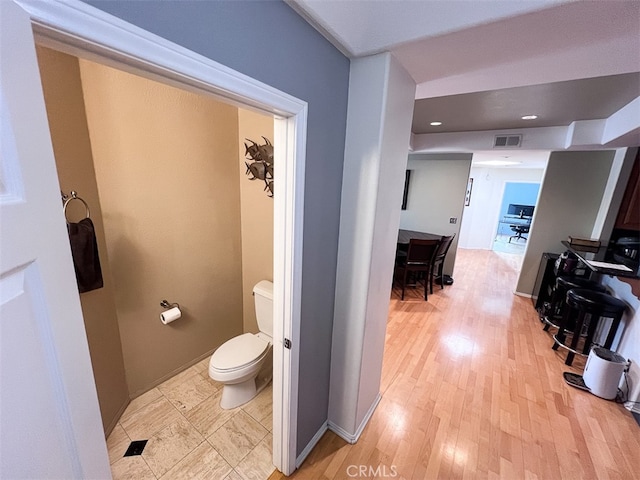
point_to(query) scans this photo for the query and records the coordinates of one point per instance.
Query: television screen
(520, 210)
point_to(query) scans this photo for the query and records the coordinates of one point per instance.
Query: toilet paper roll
(170, 315)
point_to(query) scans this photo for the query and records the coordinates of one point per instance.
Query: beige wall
(166, 166)
(568, 204)
(257, 217)
(436, 194)
(67, 121)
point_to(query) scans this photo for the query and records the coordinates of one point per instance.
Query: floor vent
(508, 141)
(135, 448)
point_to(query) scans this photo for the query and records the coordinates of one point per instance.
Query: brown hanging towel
(84, 249)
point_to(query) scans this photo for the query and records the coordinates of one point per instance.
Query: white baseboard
(353, 437)
(342, 433)
(520, 294)
(632, 407)
(312, 443)
(631, 383)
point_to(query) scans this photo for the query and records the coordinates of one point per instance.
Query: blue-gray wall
(271, 43)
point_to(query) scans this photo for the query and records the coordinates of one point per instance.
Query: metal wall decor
(260, 166)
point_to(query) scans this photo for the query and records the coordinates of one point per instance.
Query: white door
(50, 423)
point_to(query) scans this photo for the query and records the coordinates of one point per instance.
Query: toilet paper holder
(167, 305)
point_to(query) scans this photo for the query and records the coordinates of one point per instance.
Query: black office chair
(520, 230)
(438, 261)
(419, 258)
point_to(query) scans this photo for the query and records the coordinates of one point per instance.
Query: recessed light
(435, 124)
(529, 117)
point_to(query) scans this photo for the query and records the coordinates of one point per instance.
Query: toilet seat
(239, 352)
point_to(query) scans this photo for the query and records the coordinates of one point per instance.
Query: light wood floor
(472, 389)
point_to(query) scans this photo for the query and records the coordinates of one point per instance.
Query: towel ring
(74, 196)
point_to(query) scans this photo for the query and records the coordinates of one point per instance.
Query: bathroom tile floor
(190, 436)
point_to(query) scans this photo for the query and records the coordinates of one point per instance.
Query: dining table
(404, 236)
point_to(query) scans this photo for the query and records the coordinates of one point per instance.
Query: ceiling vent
(507, 141)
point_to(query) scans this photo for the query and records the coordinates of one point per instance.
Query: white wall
(627, 342)
(381, 98)
(481, 216)
(436, 194)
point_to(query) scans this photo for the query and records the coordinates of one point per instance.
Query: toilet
(244, 363)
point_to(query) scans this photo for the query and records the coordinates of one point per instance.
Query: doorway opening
(487, 220)
(515, 217)
(163, 172)
(85, 34)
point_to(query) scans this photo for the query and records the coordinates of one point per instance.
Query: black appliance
(545, 281)
(626, 250)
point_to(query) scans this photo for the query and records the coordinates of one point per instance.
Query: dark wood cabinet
(629, 213)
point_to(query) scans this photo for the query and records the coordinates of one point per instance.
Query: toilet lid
(238, 351)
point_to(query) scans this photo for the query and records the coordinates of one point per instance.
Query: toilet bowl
(243, 364)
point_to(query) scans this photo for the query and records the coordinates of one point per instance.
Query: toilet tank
(263, 301)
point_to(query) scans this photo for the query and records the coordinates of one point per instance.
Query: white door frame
(82, 30)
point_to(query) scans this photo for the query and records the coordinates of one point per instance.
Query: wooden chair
(419, 258)
(438, 260)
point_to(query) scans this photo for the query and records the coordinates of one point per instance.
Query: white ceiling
(365, 27)
(452, 48)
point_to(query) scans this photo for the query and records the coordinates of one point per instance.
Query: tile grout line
(190, 424)
(162, 395)
(183, 416)
(251, 450)
(206, 438)
(149, 467)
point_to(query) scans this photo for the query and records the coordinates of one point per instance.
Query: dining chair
(419, 258)
(438, 261)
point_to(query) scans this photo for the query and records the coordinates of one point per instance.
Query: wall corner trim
(353, 438)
